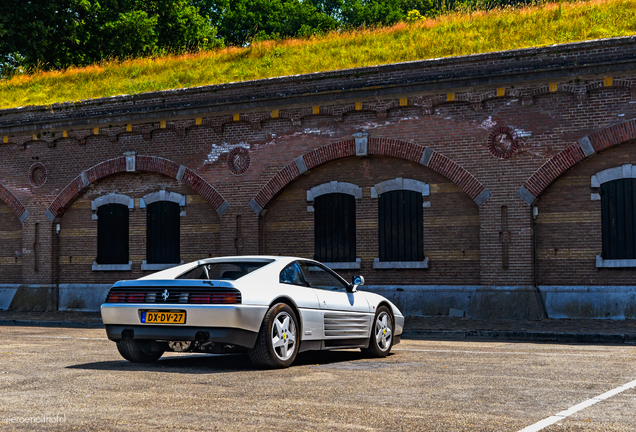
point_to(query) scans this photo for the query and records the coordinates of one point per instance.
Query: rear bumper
(230, 336)
(239, 316)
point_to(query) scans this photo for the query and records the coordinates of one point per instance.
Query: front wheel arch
(374, 349)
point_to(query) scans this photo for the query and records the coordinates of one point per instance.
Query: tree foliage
(55, 34)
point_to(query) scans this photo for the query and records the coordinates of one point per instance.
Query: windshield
(224, 270)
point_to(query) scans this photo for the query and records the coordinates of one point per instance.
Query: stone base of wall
(41, 298)
(598, 302)
(560, 302)
(522, 303)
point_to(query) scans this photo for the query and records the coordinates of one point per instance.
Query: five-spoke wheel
(277, 342)
(381, 339)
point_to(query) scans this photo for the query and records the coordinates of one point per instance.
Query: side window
(618, 218)
(292, 275)
(112, 234)
(200, 272)
(162, 233)
(401, 228)
(318, 277)
(335, 228)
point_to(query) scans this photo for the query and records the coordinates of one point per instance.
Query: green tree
(54, 34)
(241, 21)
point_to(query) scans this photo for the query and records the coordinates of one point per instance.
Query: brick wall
(451, 223)
(200, 228)
(11, 251)
(569, 226)
(431, 122)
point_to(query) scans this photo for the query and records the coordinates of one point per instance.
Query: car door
(293, 284)
(345, 315)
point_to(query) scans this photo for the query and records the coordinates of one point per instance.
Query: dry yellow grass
(450, 35)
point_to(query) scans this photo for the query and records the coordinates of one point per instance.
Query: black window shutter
(400, 226)
(618, 219)
(162, 233)
(335, 228)
(112, 234)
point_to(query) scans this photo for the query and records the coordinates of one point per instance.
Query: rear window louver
(180, 295)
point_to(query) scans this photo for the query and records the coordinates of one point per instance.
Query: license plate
(163, 317)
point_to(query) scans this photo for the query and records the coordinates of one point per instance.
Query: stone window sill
(112, 267)
(355, 265)
(614, 263)
(377, 264)
(146, 266)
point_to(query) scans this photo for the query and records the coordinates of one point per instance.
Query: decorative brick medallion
(238, 161)
(37, 174)
(503, 142)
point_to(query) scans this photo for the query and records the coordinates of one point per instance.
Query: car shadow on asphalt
(221, 363)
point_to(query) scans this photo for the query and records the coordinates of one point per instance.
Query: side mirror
(355, 283)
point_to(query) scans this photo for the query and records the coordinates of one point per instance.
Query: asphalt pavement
(59, 378)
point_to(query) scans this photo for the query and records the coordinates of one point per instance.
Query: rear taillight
(115, 297)
(214, 298)
(122, 297)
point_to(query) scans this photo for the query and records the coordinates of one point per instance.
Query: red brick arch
(375, 146)
(14, 203)
(142, 163)
(574, 154)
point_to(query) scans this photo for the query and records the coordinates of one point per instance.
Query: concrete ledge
(7, 292)
(377, 264)
(591, 338)
(35, 323)
(614, 263)
(434, 334)
(112, 267)
(82, 297)
(512, 335)
(521, 336)
(355, 265)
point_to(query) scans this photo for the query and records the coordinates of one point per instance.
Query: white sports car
(272, 307)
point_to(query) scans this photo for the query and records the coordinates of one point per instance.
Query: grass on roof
(450, 35)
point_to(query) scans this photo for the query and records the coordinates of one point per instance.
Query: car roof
(174, 272)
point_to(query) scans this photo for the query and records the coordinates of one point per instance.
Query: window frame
(599, 182)
(108, 199)
(151, 198)
(335, 228)
(340, 188)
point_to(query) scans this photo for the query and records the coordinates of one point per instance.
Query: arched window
(334, 207)
(400, 223)
(111, 212)
(163, 233)
(163, 229)
(112, 234)
(618, 215)
(400, 226)
(335, 227)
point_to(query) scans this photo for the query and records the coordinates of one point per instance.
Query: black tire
(138, 351)
(265, 354)
(379, 344)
